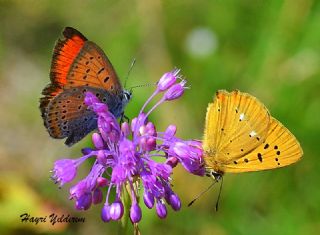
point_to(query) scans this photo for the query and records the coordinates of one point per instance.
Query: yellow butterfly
(241, 136)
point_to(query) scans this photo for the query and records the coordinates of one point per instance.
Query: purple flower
(161, 209)
(174, 201)
(82, 194)
(97, 196)
(105, 214)
(116, 210)
(135, 213)
(97, 141)
(84, 201)
(124, 158)
(148, 199)
(175, 91)
(167, 80)
(64, 171)
(189, 154)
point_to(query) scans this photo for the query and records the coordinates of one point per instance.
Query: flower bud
(142, 130)
(174, 201)
(105, 213)
(102, 157)
(104, 128)
(125, 129)
(97, 196)
(148, 199)
(116, 210)
(97, 141)
(151, 144)
(135, 213)
(172, 161)
(167, 80)
(151, 129)
(84, 201)
(143, 143)
(102, 182)
(133, 124)
(175, 91)
(86, 151)
(161, 210)
(170, 131)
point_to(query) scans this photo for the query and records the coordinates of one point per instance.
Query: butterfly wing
(236, 123)
(77, 65)
(78, 62)
(92, 68)
(68, 116)
(279, 149)
(64, 54)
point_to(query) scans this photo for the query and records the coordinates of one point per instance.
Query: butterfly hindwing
(68, 116)
(236, 123)
(279, 149)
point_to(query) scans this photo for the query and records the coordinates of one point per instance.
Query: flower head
(124, 159)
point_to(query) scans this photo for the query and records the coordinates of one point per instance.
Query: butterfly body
(78, 66)
(241, 136)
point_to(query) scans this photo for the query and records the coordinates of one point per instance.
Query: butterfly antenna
(218, 199)
(144, 85)
(211, 185)
(133, 62)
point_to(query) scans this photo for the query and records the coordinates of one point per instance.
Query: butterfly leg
(124, 118)
(216, 176)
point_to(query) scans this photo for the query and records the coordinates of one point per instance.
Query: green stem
(123, 224)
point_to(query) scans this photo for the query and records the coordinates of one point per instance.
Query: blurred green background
(267, 48)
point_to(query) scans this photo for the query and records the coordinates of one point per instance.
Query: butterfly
(241, 136)
(79, 65)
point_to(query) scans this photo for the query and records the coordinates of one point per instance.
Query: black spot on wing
(260, 157)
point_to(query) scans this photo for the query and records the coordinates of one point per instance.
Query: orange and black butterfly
(78, 65)
(241, 136)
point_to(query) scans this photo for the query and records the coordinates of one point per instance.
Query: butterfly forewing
(279, 149)
(92, 68)
(64, 54)
(236, 123)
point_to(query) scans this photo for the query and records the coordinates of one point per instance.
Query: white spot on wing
(241, 116)
(252, 133)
